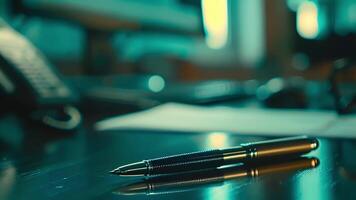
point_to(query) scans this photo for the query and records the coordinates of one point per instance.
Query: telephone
(30, 84)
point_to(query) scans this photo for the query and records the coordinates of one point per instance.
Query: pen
(214, 177)
(293, 146)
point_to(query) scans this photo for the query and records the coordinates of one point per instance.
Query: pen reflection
(312, 185)
(7, 180)
(216, 177)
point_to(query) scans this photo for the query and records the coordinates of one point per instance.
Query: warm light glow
(307, 20)
(156, 83)
(215, 22)
(217, 140)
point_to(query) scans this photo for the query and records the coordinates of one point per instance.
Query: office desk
(37, 163)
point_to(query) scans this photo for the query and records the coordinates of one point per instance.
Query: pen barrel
(280, 148)
(185, 162)
(289, 147)
(259, 151)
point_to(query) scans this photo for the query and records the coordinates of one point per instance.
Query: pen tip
(116, 171)
(132, 189)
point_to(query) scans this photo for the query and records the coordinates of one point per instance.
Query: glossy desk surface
(36, 163)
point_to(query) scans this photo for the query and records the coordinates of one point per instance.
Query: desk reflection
(195, 180)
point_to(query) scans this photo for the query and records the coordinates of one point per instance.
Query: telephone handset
(29, 83)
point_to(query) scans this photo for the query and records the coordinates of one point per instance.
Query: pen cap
(282, 147)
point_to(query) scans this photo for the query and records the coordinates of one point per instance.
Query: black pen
(294, 146)
(214, 177)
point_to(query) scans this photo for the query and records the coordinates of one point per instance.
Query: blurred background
(121, 56)
(151, 43)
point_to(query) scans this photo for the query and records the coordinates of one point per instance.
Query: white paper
(344, 126)
(252, 121)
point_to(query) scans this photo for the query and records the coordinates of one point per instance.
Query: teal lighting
(156, 83)
(294, 4)
(345, 17)
(215, 19)
(219, 192)
(315, 183)
(250, 31)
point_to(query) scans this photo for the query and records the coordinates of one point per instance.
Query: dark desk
(36, 163)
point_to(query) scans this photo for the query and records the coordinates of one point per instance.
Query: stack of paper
(252, 121)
